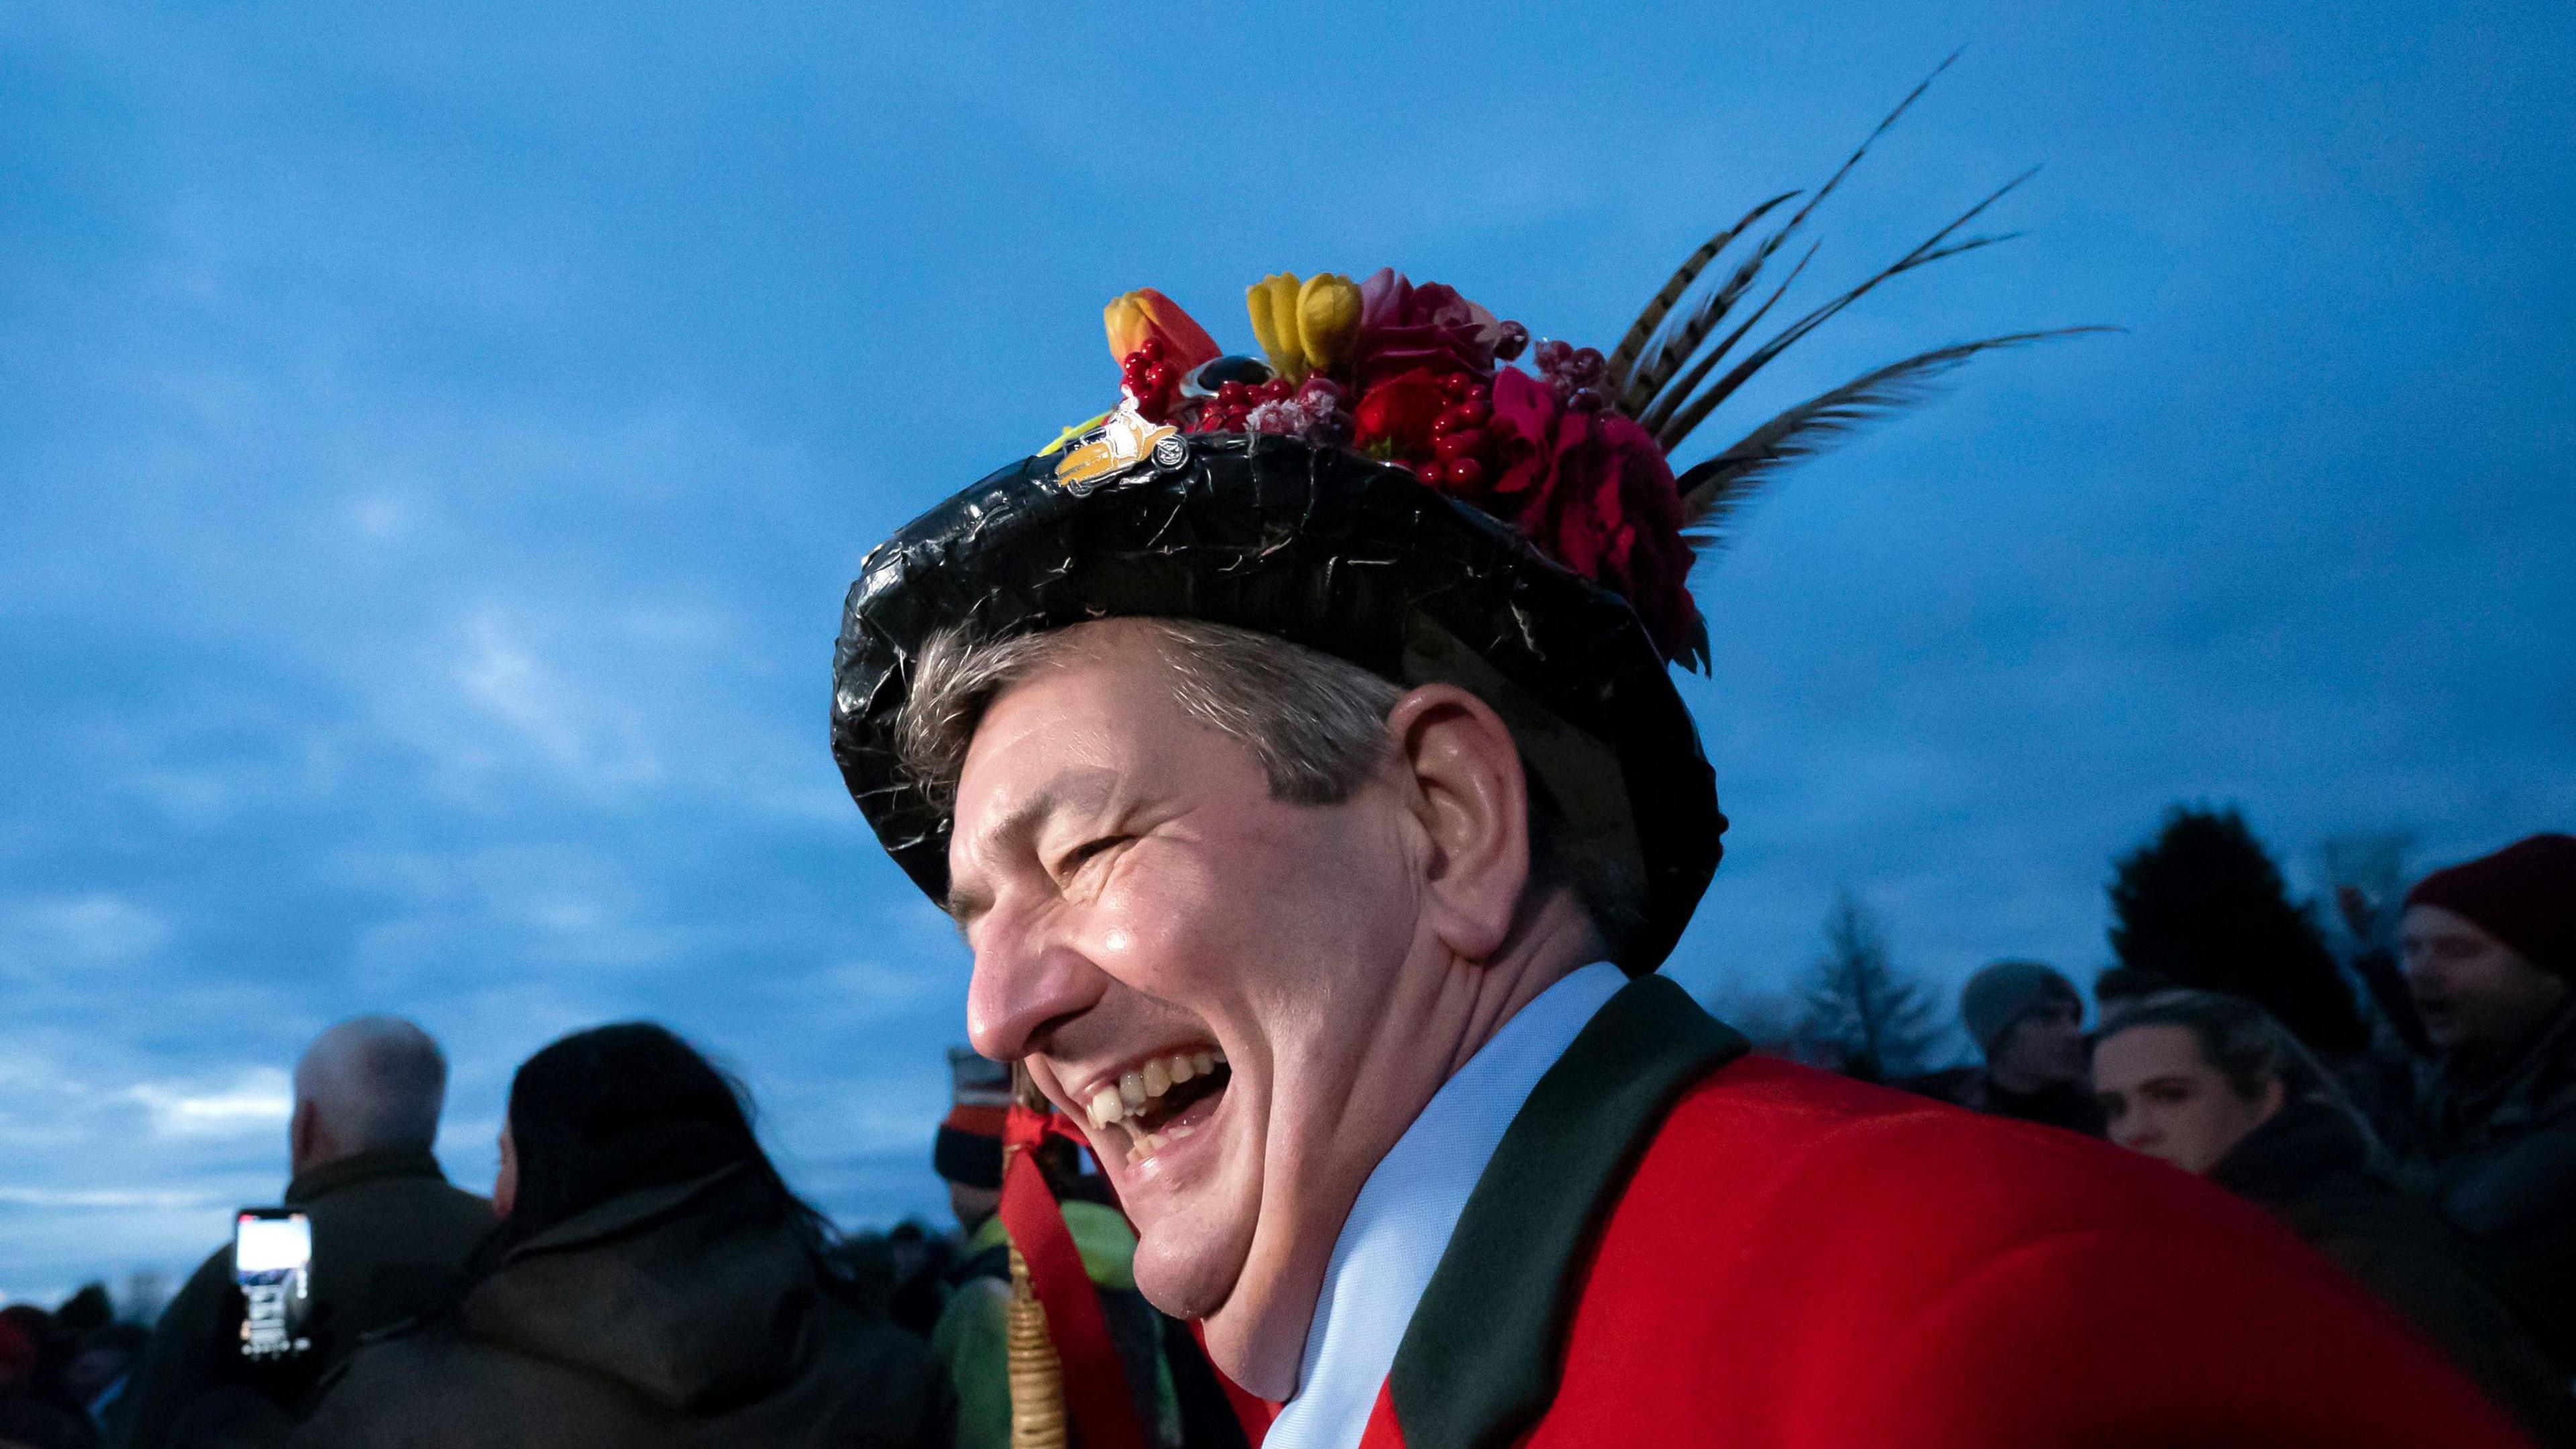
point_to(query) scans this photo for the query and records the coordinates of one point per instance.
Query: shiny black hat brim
(1320, 546)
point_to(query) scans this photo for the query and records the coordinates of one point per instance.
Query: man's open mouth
(1147, 1102)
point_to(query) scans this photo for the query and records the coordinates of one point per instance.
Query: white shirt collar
(1403, 1218)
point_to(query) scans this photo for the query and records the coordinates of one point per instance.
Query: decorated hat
(1402, 480)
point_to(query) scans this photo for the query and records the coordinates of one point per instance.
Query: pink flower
(1593, 491)
(1403, 326)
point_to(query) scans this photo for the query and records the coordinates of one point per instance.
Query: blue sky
(434, 441)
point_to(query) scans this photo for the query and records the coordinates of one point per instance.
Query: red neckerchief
(1095, 1381)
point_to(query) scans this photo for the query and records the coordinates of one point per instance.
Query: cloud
(48, 1197)
(259, 1099)
(45, 933)
(581, 731)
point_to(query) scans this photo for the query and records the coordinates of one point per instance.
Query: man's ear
(304, 1144)
(1471, 801)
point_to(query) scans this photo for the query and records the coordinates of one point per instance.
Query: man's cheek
(1168, 914)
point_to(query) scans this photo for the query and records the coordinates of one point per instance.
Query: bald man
(389, 1234)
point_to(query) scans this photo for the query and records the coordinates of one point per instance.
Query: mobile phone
(273, 1264)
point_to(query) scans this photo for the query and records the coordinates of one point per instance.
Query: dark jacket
(673, 1315)
(389, 1234)
(2499, 1159)
(2070, 1106)
(2310, 1166)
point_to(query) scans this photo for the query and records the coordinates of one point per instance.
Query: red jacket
(1679, 1245)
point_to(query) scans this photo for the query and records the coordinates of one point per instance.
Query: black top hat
(1323, 547)
(1385, 488)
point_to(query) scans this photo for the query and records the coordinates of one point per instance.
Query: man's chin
(1184, 1273)
(1240, 1313)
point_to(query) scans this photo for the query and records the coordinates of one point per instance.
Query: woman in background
(653, 1283)
(2217, 1087)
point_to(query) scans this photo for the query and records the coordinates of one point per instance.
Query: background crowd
(641, 1274)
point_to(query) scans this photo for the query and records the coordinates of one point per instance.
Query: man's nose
(1024, 983)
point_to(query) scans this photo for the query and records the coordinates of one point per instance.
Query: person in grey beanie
(2028, 1021)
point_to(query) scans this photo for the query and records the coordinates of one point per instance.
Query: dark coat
(2311, 1167)
(2499, 1156)
(2070, 1106)
(389, 1234)
(675, 1315)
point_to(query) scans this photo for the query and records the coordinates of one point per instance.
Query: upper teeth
(1134, 1089)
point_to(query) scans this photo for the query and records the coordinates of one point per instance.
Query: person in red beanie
(2490, 951)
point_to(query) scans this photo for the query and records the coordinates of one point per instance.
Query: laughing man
(1296, 749)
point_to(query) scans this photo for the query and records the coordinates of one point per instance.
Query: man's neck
(314, 1179)
(1559, 941)
(1437, 1023)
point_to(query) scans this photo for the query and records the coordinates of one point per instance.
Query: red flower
(1403, 326)
(1593, 491)
(1393, 419)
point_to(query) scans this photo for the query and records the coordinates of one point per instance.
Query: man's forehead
(1012, 807)
(1085, 704)
(1070, 739)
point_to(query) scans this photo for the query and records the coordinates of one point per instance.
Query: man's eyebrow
(1072, 789)
(963, 905)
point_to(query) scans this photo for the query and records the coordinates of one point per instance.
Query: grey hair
(1316, 724)
(378, 1082)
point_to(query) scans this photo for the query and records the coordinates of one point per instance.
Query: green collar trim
(1480, 1360)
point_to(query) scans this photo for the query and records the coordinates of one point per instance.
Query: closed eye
(1081, 855)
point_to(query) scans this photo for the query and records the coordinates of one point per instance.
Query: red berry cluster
(1153, 382)
(1230, 411)
(1458, 435)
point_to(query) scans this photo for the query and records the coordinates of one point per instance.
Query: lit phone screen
(272, 1245)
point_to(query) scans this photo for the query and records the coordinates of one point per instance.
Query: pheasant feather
(1711, 491)
(1934, 248)
(1638, 384)
(1651, 318)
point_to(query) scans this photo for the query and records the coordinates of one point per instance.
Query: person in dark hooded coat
(2216, 1086)
(653, 1283)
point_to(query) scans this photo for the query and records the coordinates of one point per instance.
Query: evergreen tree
(2203, 905)
(1860, 1013)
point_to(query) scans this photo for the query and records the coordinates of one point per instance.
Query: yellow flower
(1272, 301)
(1328, 317)
(1304, 327)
